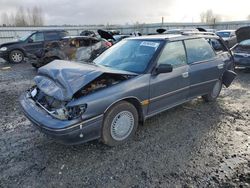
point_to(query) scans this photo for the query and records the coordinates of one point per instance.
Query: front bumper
(67, 132)
(4, 55)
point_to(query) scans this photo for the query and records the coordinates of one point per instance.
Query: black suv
(15, 52)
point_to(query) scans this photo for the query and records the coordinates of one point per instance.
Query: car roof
(173, 37)
(79, 37)
(51, 30)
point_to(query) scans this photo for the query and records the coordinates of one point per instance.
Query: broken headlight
(69, 113)
(76, 111)
(56, 108)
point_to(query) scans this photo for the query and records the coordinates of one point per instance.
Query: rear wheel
(213, 95)
(120, 124)
(16, 56)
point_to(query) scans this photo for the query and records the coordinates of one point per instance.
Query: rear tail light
(108, 44)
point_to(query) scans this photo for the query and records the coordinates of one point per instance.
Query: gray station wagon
(133, 80)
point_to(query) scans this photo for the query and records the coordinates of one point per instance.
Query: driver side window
(37, 37)
(173, 54)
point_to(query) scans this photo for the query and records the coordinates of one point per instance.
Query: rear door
(205, 67)
(170, 89)
(34, 43)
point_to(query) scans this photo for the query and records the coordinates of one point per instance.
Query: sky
(85, 12)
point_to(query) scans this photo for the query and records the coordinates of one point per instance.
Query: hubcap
(122, 125)
(17, 57)
(216, 89)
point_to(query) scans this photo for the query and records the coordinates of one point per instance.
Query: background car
(241, 50)
(88, 33)
(128, 83)
(73, 48)
(15, 52)
(112, 36)
(228, 36)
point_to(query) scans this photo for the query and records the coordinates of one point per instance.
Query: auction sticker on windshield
(150, 44)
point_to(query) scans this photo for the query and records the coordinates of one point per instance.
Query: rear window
(198, 50)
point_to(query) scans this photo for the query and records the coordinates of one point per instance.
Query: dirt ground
(196, 144)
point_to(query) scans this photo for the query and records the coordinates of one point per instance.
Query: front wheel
(16, 56)
(120, 123)
(213, 95)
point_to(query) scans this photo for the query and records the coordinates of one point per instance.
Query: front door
(34, 43)
(170, 89)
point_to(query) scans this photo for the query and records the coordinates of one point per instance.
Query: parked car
(112, 36)
(73, 48)
(228, 36)
(133, 80)
(15, 52)
(241, 50)
(88, 33)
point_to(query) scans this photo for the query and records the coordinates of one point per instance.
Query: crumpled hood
(62, 79)
(243, 33)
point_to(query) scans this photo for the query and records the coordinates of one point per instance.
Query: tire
(120, 124)
(16, 56)
(213, 95)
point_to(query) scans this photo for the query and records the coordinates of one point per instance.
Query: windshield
(25, 37)
(245, 42)
(129, 55)
(223, 34)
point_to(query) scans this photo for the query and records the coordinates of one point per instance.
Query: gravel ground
(196, 144)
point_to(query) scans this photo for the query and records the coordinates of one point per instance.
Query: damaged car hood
(243, 33)
(62, 79)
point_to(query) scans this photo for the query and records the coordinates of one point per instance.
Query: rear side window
(217, 45)
(173, 54)
(52, 36)
(63, 34)
(198, 50)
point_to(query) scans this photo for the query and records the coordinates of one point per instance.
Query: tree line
(210, 17)
(23, 17)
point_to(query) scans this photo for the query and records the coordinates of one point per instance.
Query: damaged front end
(60, 110)
(61, 102)
(56, 108)
(58, 84)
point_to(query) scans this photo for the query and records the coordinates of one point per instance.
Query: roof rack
(198, 33)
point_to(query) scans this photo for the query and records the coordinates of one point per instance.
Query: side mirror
(163, 68)
(30, 40)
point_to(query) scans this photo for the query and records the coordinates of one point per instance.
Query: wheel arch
(19, 49)
(132, 100)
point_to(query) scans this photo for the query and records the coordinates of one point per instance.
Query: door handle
(185, 74)
(220, 66)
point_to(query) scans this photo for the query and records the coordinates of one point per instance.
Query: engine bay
(104, 81)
